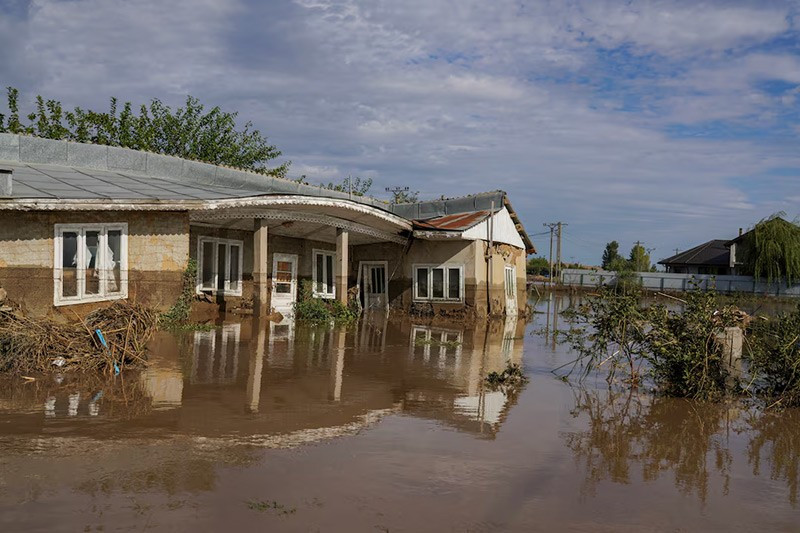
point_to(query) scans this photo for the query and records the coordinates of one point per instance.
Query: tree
(619, 264)
(538, 266)
(771, 250)
(639, 258)
(610, 254)
(190, 132)
(357, 186)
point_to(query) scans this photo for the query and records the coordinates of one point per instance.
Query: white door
(284, 283)
(374, 282)
(511, 291)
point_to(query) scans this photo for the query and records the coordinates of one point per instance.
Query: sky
(669, 123)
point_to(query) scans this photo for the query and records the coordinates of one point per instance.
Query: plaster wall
(157, 255)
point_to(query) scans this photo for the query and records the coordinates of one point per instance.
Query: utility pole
(558, 253)
(396, 191)
(552, 226)
(555, 266)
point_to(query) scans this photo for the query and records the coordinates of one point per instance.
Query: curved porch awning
(306, 218)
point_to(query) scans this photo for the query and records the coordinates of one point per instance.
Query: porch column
(342, 264)
(260, 259)
(256, 364)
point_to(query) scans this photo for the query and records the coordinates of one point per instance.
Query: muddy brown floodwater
(382, 427)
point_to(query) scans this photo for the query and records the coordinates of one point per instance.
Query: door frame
(513, 310)
(294, 258)
(385, 265)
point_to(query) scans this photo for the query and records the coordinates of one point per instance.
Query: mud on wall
(303, 248)
(157, 256)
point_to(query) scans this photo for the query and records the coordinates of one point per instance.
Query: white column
(260, 268)
(342, 264)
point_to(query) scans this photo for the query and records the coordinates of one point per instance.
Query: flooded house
(84, 224)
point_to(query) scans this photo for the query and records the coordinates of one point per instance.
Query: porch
(263, 248)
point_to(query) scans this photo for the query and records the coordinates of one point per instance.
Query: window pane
(454, 283)
(90, 262)
(283, 288)
(221, 257)
(113, 260)
(69, 264)
(437, 274)
(422, 283)
(284, 266)
(207, 265)
(329, 273)
(235, 275)
(320, 277)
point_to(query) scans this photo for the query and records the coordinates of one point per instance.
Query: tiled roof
(711, 253)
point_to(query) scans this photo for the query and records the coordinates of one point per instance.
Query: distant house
(712, 257)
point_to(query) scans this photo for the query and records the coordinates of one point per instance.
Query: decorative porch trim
(298, 216)
(293, 200)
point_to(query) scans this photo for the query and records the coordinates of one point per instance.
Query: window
(90, 263)
(324, 284)
(219, 266)
(439, 283)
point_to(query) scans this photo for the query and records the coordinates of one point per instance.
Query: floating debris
(40, 345)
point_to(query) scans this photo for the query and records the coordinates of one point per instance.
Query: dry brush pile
(34, 345)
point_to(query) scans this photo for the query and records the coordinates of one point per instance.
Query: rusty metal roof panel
(459, 222)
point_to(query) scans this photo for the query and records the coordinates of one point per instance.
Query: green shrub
(678, 349)
(773, 353)
(682, 350)
(176, 318)
(319, 310)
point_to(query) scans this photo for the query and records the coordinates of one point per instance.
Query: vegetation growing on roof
(189, 132)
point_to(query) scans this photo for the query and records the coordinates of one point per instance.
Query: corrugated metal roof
(46, 169)
(459, 222)
(54, 182)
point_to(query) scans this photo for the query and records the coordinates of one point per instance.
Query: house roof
(776, 220)
(458, 222)
(711, 253)
(53, 170)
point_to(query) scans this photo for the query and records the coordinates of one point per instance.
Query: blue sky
(666, 122)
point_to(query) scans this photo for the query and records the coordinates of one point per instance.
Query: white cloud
(457, 97)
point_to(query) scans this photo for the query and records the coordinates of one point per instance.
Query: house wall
(470, 254)
(303, 248)
(157, 256)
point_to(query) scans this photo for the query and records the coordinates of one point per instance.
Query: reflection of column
(342, 265)
(337, 368)
(74, 400)
(260, 260)
(256, 365)
(556, 305)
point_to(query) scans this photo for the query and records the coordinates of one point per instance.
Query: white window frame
(324, 254)
(58, 268)
(430, 267)
(216, 241)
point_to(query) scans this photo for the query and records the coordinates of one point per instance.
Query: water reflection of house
(267, 382)
(462, 358)
(215, 357)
